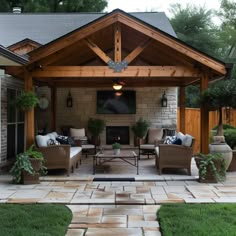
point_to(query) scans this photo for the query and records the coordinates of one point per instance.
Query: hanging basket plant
(26, 101)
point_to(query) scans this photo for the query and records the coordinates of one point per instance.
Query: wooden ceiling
(81, 58)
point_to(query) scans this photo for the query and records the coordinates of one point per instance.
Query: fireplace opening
(118, 134)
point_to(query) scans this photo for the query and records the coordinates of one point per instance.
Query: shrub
(230, 137)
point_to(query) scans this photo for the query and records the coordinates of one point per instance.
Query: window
(15, 126)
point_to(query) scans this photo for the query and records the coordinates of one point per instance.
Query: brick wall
(6, 82)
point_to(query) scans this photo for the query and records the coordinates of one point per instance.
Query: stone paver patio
(118, 207)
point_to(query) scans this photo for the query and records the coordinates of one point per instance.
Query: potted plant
(95, 128)
(26, 101)
(28, 166)
(211, 167)
(116, 147)
(140, 129)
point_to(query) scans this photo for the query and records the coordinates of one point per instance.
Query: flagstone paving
(117, 207)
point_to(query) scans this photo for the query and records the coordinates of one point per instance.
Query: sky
(157, 5)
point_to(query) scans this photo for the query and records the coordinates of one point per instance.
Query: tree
(194, 26)
(218, 95)
(54, 5)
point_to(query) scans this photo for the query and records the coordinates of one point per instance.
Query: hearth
(117, 134)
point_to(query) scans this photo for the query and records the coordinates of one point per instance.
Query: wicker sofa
(174, 156)
(61, 156)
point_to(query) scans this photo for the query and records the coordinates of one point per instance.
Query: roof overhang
(120, 45)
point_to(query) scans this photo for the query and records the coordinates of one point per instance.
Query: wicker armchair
(61, 157)
(174, 156)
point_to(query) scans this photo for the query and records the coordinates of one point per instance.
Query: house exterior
(82, 54)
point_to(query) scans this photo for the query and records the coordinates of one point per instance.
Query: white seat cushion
(147, 146)
(74, 151)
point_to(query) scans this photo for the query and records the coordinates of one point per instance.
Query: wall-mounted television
(116, 102)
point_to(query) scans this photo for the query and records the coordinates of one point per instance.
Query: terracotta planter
(210, 177)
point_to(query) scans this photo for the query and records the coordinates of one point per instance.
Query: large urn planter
(224, 149)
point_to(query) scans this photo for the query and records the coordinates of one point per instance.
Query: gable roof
(8, 58)
(44, 28)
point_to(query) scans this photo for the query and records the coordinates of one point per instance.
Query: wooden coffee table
(127, 156)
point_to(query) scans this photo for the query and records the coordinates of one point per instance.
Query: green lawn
(34, 219)
(197, 219)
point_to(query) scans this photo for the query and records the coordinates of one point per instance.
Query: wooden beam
(29, 114)
(98, 51)
(182, 109)
(172, 42)
(104, 71)
(137, 50)
(73, 37)
(204, 142)
(117, 43)
(130, 82)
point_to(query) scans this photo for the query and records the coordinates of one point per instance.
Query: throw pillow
(154, 134)
(62, 139)
(187, 141)
(41, 140)
(180, 135)
(52, 142)
(177, 141)
(169, 139)
(77, 132)
(71, 141)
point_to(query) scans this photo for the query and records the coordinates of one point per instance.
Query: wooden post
(204, 121)
(29, 115)
(117, 43)
(53, 108)
(182, 110)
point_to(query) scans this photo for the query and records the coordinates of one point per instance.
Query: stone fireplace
(117, 134)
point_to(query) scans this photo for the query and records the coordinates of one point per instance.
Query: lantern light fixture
(164, 100)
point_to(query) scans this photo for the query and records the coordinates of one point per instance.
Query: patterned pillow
(169, 139)
(52, 142)
(62, 139)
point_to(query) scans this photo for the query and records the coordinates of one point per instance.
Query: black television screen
(116, 102)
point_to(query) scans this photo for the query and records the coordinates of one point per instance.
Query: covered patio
(117, 46)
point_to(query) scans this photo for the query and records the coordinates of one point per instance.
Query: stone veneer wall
(148, 106)
(12, 83)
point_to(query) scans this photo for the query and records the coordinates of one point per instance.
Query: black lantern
(164, 100)
(69, 100)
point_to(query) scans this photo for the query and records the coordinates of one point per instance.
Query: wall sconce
(164, 100)
(69, 100)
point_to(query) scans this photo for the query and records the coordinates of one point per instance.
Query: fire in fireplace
(118, 134)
